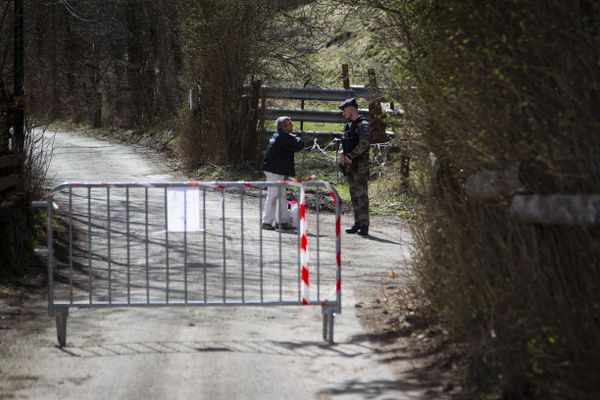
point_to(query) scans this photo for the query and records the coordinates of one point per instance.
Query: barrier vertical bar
(70, 244)
(109, 246)
(279, 212)
(167, 245)
(298, 261)
(185, 270)
(128, 246)
(242, 244)
(260, 239)
(147, 262)
(204, 237)
(298, 264)
(318, 207)
(50, 236)
(90, 279)
(338, 249)
(224, 247)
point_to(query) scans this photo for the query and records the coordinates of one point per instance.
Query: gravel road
(200, 353)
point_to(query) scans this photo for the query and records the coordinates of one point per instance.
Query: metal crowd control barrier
(189, 244)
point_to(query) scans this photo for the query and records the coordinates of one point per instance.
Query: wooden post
(6, 119)
(375, 111)
(19, 80)
(302, 104)
(252, 129)
(301, 173)
(372, 77)
(404, 168)
(263, 108)
(97, 110)
(345, 76)
(260, 142)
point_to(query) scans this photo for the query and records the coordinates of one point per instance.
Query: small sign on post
(183, 210)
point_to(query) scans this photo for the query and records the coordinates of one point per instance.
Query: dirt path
(207, 353)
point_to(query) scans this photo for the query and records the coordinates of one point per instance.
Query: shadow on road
(282, 348)
(374, 389)
(381, 240)
(414, 380)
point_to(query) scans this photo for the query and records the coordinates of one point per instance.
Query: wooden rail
(9, 172)
(548, 209)
(11, 160)
(372, 93)
(316, 93)
(315, 115)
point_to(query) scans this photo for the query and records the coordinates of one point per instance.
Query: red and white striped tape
(304, 258)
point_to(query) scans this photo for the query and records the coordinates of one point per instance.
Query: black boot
(353, 229)
(364, 231)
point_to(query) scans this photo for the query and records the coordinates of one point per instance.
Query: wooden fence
(258, 95)
(371, 93)
(255, 105)
(494, 186)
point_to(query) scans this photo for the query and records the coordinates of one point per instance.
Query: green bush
(492, 85)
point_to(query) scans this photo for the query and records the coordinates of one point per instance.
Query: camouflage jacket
(355, 142)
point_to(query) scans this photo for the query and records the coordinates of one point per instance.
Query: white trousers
(275, 196)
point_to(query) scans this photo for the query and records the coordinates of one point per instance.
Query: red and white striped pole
(304, 258)
(336, 291)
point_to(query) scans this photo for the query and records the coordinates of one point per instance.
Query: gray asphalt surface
(201, 353)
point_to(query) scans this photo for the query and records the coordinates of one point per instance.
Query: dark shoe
(364, 231)
(268, 227)
(285, 227)
(353, 229)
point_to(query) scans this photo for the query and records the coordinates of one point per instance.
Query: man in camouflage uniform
(354, 159)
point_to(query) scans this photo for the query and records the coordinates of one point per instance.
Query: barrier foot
(61, 326)
(328, 316)
(324, 325)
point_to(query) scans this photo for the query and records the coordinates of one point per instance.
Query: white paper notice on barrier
(183, 209)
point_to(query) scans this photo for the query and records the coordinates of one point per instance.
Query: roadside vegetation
(18, 228)
(490, 87)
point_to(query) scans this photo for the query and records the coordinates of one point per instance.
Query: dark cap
(349, 102)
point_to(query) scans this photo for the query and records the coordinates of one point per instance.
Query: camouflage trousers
(358, 182)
